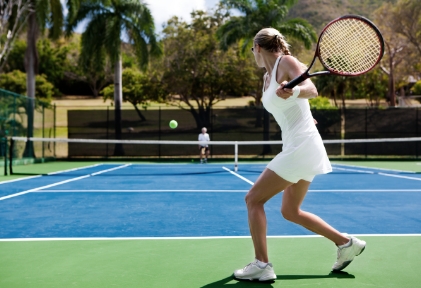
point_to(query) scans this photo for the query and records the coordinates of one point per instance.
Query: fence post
(14, 115)
(11, 156)
(43, 133)
(159, 132)
(5, 154)
(236, 156)
(108, 122)
(416, 131)
(365, 144)
(54, 129)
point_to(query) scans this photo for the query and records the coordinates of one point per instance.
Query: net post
(236, 156)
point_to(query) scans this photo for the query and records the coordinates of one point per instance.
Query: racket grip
(294, 82)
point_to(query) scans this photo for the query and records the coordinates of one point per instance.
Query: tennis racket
(350, 45)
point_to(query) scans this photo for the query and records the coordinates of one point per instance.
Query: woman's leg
(291, 202)
(267, 185)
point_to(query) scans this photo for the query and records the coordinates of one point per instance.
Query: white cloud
(162, 10)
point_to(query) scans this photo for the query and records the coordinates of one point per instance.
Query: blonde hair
(272, 40)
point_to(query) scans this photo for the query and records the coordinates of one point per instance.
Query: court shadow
(250, 284)
(332, 274)
(240, 283)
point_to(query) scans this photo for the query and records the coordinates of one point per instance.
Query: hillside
(320, 12)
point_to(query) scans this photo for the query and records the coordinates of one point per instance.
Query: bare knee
(252, 199)
(290, 214)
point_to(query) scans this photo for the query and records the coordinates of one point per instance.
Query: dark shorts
(206, 148)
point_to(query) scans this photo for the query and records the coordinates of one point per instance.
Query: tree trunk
(202, 116)
(118, 99)
(31, 64)
(139, 113)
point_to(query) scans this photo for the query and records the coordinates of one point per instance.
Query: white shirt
(204, 137)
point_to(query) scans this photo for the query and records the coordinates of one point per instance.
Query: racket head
(350, 45)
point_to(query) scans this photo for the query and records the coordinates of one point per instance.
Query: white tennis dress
(303, 154)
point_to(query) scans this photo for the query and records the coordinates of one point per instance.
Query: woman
(303, 156)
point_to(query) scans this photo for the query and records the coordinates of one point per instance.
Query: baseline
(189, 238)
(213, 190)
(52, 173)
(61, 182)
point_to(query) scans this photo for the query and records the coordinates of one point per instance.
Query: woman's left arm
(305, 89)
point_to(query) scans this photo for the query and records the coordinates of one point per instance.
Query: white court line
(374, 168)
(238, 175)
(354, 170)
(400, 176)
(189, 238)
(217, 191)
(135, 191)
(367, 190)
(52, 173)
(74, 169)
(20, 179)
(61, 182)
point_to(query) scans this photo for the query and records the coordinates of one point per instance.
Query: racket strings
(350, 47)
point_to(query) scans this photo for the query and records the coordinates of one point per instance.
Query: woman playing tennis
(303, 156)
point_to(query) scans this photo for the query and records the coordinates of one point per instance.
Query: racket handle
(294, 82)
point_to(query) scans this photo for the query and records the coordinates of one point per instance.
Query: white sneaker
(347, 254)
(253, 272)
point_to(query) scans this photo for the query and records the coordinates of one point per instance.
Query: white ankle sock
(346, 244)
(261, 264)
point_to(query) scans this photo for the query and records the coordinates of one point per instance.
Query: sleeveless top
(303, 152)
(293, 115)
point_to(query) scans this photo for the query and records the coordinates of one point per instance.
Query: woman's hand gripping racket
(348, 46)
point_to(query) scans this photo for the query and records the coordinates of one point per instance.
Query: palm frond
(244, 6)
(85, 11)
(93, 37)
(300, 30)
(42, 11)
(231, 32)
(72, 9)
(112, 39)
(56, 19)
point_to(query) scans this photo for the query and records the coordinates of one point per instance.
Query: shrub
(15, 81)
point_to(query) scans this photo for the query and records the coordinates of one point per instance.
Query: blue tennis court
(162, 200)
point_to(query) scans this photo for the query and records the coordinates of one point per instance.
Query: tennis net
(188, 151)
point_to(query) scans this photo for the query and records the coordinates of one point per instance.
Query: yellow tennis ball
(173, 124)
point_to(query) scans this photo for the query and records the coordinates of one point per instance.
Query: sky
(162, 10)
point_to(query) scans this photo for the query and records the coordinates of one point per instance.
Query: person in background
(203, 147)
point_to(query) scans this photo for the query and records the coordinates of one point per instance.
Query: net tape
(350, 46)
(112, 141)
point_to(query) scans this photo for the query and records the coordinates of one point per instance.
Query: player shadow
(250, 284)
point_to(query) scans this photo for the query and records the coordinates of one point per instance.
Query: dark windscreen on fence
(244, 124)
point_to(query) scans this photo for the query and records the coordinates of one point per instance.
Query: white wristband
(295, 92)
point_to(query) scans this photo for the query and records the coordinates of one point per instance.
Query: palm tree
(47, 13)
(258, 14)
(108, 20)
